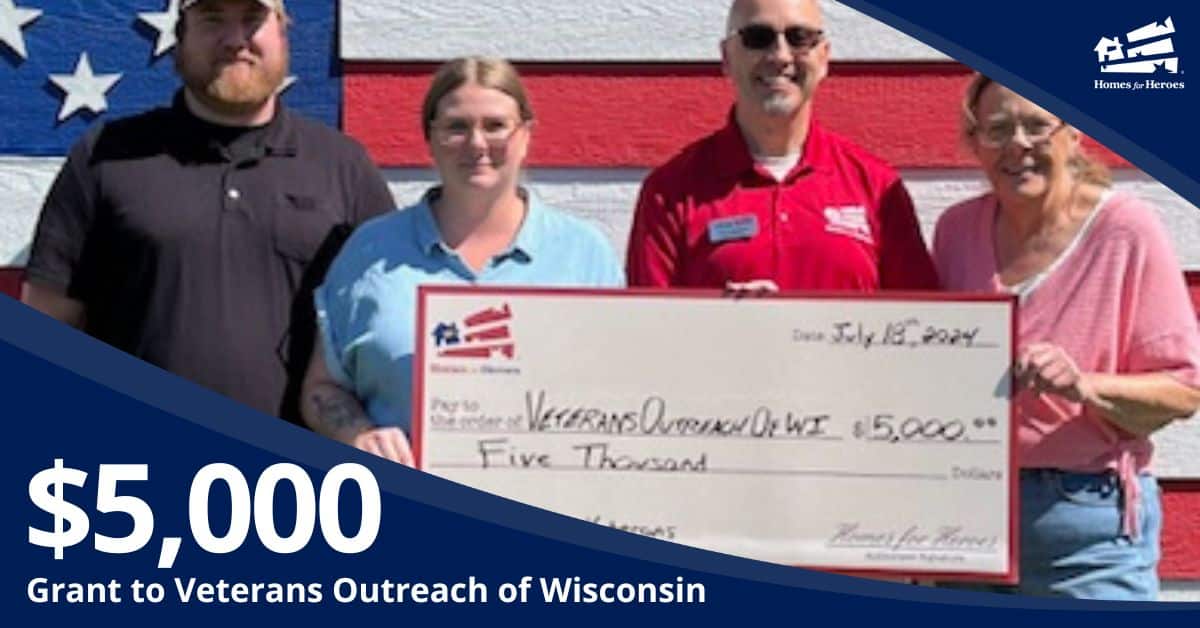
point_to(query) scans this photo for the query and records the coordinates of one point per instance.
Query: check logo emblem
(484, 334)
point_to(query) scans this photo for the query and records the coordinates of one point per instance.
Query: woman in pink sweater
(1109, 350)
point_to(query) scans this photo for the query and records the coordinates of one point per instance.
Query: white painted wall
(607, 196)
(23, 184)
(554, 30)
(1180, 591)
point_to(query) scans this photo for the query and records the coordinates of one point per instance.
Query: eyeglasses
(1000, 133)
(762, 37)
(455, 133)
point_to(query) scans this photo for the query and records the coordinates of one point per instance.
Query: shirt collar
(429, 239)
(734, 158)
(280, 137)
(533, 228)
(525, 245)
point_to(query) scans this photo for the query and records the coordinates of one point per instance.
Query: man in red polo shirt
(773, 198)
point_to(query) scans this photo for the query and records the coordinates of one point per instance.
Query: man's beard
(230, 90)
(779, 105)
(782, 105)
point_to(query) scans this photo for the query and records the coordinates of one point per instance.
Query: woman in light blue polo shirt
(478, 227)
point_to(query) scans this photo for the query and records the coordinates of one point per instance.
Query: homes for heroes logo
(482, 343)
(1147, 49)
(479, 336)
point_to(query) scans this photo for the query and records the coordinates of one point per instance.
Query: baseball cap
(270, 4)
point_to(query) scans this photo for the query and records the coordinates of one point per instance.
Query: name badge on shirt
(732, 228)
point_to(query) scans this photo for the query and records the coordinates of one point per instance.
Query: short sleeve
(614, 276)
(63, 239)
(334, 303)
(653, 254)
(943, 256)
(372, 197)
(607, 269)
(327, 329)
(1164, 336)
(904, 262)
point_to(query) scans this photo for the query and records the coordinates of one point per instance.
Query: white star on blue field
(64, 64)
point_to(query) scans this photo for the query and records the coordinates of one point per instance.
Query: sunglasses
(762, 37)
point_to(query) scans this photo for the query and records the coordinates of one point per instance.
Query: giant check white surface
(845, 433)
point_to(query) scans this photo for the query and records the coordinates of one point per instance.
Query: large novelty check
(851, 433)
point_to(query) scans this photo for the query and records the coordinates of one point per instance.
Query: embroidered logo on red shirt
(850, 221)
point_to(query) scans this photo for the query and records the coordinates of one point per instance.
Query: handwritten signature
(911, 537)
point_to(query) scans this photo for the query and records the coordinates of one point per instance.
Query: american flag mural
(617, 87)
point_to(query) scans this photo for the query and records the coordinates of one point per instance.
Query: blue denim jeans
(1071, 540)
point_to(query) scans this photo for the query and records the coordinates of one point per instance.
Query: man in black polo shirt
(192, 236)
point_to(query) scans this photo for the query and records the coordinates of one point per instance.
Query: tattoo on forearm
(336, 411)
